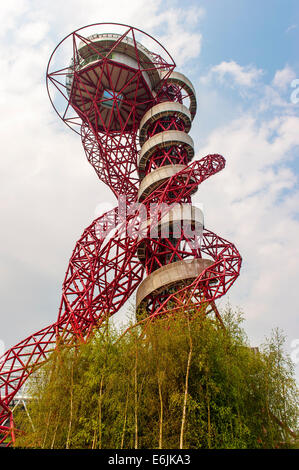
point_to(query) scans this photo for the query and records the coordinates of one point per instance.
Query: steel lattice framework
(133, 113)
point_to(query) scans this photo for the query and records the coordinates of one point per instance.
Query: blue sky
(242, 57)
(251, 32)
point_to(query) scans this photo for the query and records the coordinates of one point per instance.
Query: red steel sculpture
(120, 92)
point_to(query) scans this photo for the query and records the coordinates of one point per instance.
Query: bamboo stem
(71, 411)
(161, 415)
(186, 388)
(125, 422)
(100, 411)
(136, 399)
(54, 435)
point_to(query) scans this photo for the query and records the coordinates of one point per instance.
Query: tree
(177, 382)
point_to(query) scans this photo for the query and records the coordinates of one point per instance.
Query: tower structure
(171, 252)
(119, 91)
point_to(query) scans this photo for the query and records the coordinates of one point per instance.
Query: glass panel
(109, 97)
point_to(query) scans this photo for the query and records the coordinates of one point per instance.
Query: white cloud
(33, 32)
(179, 38)
(232, 72)
(254, 203)
(283, 78)
(291, 27)
(247, 81)
(10, 13)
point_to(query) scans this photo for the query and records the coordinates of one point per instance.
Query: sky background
(242, 57)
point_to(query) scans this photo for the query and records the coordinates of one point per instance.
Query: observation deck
(111, 81)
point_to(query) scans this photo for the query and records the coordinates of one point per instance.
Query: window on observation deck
(109, 97)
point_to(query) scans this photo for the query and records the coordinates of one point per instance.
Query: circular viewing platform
(183, 272)
(112, 82)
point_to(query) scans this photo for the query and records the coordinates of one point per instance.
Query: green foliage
(131, 391)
